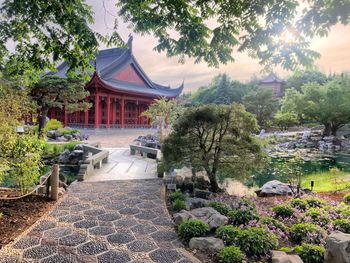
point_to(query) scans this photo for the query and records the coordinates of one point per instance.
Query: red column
(122, 112)
(86, 118)
(97, 110)
(114, 111)
(65, 122)
(108, 111)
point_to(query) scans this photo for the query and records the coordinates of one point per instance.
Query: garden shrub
(315, 202)
(176, 195)
(319, 216)
(231, 254)
(53, 124)
(269, 221)
(311, 253)
(246, 203)
(342, 225)
(71, 145)
(256, 241)
(347, 198)
(178, 205)
(192, 228)
(220, 207)
(299, 203)
(306, 232)
(286, 249)
(283, 211)
(343, 211)
(242, 217)
(57, 149)
(228, 234)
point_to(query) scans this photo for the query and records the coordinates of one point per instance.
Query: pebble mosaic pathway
(111, 221)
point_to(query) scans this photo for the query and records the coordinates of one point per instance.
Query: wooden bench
(144, 151)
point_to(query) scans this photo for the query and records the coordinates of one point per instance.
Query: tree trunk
(327, 129)
(334, 129)
(42, 121)
(213, 183)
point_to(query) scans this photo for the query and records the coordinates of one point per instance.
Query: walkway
(106, 219)
(123, 166)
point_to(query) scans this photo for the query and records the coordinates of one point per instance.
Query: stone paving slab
(123, 166)
(111, 221)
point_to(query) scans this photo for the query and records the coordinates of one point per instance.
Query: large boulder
(337, 248)
(206, 244)
(273, 188)
(201, 193)
(283, 257)
(208, 214)
(195, 202)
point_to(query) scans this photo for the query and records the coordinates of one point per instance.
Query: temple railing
(112, 126)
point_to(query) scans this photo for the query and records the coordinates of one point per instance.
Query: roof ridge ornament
(130, 42)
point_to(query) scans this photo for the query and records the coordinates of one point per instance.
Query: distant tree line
(310, 96)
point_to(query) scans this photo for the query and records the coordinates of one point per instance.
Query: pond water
(319, 164)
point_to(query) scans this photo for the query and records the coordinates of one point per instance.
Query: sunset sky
(334, 50)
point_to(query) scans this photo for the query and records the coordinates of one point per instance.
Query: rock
(195, 202)
(64, 157)
(283, 257)
(337, 248)
(306, 135)
(61, 139)
(206, 243)
(69, 137)
(201, 183)
(201, 193)
(208, 214)
(187, 185)
(273, 188)
(79, 147)
(51, 134)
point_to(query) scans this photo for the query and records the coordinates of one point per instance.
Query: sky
(334, 50)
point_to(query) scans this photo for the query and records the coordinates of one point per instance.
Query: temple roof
(272, 78)
(118, 69)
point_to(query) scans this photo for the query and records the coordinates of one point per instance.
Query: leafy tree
(52, 91)
(220, 91)
(328, 104)
(285, 119)
(46, 32)
(262, 104)
(215, 138)
(162, 110)
(299, 78)
(211, 30)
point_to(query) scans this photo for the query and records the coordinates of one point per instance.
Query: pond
(316, 164)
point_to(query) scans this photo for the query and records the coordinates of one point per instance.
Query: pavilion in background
(275, 83)
(119, 92)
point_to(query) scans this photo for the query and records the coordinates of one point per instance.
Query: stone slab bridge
(103, 221)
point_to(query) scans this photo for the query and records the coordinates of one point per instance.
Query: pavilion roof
(271, 78)
(109, 62)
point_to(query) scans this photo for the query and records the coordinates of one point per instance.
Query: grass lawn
(327, 181)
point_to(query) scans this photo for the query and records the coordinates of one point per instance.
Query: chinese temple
(119, 92)
(274, 83)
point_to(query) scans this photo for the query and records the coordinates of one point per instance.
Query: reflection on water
(342, 162)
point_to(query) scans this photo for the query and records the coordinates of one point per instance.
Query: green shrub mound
(231, 254)
(228, 234)
(254, 241)
(306, 232)
(71, 145)
(220, 207)
(342, 225)
(283, 211)
(310, 253)
(176, 195)
(257, 241)
(269, 221)
(299, 203)
(347, 198)
(178, 205)
(53, 124)
(242, 217)
(192, 228)
(319, 216)
(315, 202)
